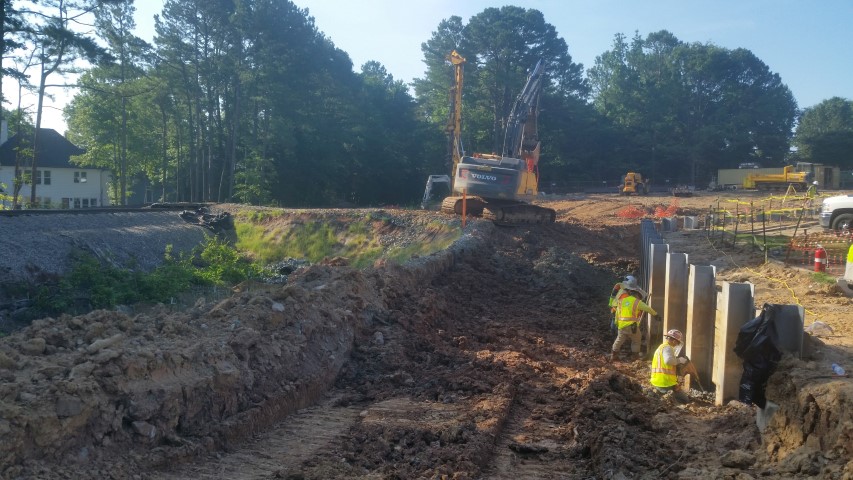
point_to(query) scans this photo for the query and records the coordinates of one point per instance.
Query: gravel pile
(34, 247)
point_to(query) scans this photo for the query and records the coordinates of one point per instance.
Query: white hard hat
(675, 335)
(630, 283)
(814, 183)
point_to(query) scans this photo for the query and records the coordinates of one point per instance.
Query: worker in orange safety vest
(665, 363)
(629, 312)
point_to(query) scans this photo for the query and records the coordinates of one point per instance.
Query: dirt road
(495, 368)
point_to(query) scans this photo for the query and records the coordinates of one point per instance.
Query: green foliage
(222, 264)
(823, 277)
(689, 109)
(825, 133)
(357, 241)
(5, 198)
(249, 102)
(313, 241)
(93, 285)
(501, 45)
(773, 241)
(257, 216)
(255, 180)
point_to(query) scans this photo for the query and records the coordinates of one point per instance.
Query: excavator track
(473, 206)
(519, 214)
(510, 213)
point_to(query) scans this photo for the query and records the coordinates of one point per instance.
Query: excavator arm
(521, 139)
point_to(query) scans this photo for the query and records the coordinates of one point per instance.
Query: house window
(42, 177)
(66, 203)
(76, 203)
(45, 174)
(85, 203)
(93, 202)
(79, 177)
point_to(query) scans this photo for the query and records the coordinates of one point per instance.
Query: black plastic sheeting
(758, 345)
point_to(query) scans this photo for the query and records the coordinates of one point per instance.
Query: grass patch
(257, 216)
(823, 277)
(313, 241)
(356, 240)
(773, 241)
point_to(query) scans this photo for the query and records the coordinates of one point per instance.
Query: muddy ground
(487, 360)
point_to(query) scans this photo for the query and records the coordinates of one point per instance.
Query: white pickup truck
(837, 213)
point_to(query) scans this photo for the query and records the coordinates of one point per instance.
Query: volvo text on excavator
(497, 187)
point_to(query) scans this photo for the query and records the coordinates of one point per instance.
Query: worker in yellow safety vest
(629, 312)
(848, 272)
(811, 193)
(619, 291)
(665, 362)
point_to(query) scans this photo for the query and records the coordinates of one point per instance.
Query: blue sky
(808, 43)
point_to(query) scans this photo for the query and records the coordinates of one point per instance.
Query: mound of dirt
(86, 388)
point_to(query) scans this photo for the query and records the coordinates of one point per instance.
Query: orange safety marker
(464, 207)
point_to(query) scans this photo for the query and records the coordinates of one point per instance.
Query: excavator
(496, 187)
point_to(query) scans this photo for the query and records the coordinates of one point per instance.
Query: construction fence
(783, 229)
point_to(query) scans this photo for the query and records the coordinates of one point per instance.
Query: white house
(59, 183)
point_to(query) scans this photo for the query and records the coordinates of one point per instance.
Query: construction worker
(811, 193)
(617, 293)
(629, 312)
(664, 365)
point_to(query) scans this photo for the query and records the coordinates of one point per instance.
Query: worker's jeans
(629, 334)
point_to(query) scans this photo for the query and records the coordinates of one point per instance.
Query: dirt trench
(485, 361)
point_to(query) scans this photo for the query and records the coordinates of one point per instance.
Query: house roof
(54, 150)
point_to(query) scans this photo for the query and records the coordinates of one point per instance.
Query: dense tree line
(245, 100)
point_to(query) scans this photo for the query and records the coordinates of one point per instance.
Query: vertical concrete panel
(789, 322)
(701, 314)
(734, 308)
(675, 301)
(657, 290)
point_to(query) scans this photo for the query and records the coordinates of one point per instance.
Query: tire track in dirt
(515, 458)
(277, 452)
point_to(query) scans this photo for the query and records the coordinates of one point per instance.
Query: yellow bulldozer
(634, 183)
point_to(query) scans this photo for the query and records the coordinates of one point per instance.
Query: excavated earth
(484, 360)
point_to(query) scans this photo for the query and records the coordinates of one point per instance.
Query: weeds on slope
(93, 285)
